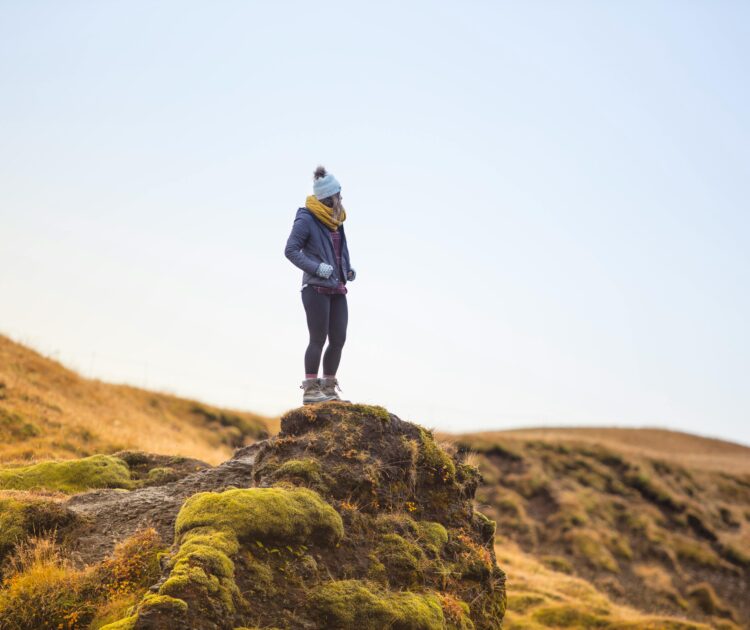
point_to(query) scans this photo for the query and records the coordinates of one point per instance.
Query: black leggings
(327, 316)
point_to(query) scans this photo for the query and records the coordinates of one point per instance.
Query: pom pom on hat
(325, 185)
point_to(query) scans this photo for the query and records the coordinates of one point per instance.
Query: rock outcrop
(347, 518)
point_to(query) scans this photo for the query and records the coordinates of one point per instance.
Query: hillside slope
(597, 528)
(47, 410)
(694, 451)
(656, 520)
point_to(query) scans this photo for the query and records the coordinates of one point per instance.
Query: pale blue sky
(547, 202)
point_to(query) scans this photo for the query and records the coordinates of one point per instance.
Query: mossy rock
(402, 559)
(308, 471)
(415, 554)
(71, 476)
(269, 514)
(434, 460)
(432, 535)
(127, 623)
(210, 529)
(485, 526)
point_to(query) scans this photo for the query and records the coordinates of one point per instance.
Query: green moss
(202, 569)
(356, 604)
(371, 410)
(76, 475)
(398, 522)
(402, 559)
(128, 623)
(435, 459)
(306, 469)
(433, 535)
(376, 570)
(163, 603)
(169, 607)
(486, 526)
(296, 515)
(210, 528)
(160, 475)
(259, 576)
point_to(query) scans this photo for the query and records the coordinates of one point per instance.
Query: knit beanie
(325, 184)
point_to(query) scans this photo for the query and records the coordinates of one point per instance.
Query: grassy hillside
(650, 520)
(48, 411)
(693, 451)
(596, 527)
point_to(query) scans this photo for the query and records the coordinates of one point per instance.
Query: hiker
(317, 245)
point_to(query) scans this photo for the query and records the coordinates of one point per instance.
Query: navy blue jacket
(310, 243)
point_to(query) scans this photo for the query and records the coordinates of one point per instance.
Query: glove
(351, 275)
(324, 270)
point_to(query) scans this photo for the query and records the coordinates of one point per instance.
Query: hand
(324, 270)
(351, 275)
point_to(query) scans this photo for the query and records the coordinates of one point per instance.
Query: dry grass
(644, 529)
(692, 451)
(42, 590)
(48, 411)
(539, 597)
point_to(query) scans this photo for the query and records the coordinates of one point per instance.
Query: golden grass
(539, 597)
(688, 450)
(645, 529)
(41, 589)
(48, 411)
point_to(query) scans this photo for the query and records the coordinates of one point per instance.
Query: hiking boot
(313, 393)
(329, 385)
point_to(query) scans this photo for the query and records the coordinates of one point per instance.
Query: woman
(317, 245)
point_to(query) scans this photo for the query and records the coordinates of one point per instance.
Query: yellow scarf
(324, 213)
